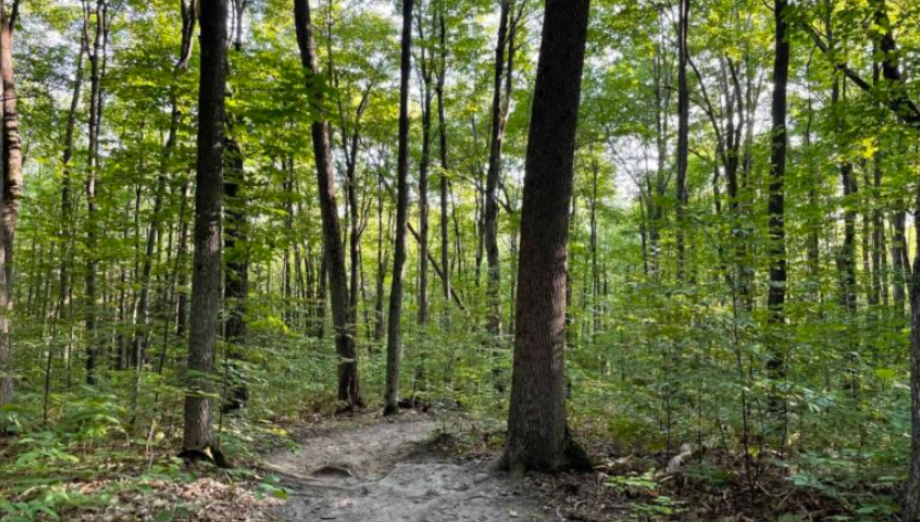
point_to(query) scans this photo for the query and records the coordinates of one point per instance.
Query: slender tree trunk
(445, 166)
(683, 135)
(67, 226)
(776, 208)
(382, 260)
(95, 120)
(206, 283)
(182, 267)
(189, 10)
(349, 391)
(899, 258)
(423, 207)
(394, 349)
(354, 210)
(141, 332)
(496, 136)
(11, 196)
(236, 266)
(538, 438)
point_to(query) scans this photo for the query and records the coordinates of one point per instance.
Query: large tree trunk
(538, 438)
(391, 396)
(206, 283)
(349, 391)
(12, 194)
(776, 207)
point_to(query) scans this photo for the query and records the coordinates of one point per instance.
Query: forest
(457, 260)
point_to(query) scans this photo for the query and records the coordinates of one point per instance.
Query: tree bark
(425, 66)
(348, 388)
(206, 281)
(497, 136)
(11, 195)
(394, 349)
(236, 266)
(776, 208)
(683, 135)
(445, 166)
(95, 119)
(538, 438)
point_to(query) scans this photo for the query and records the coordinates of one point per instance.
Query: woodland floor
(392, 471)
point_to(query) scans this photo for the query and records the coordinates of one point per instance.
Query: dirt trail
(386, 472)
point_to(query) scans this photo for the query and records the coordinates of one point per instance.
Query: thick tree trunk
(348, 389)
(776, 208)
(391, 396)
(12, 194)
(206, 283)
(538, 438)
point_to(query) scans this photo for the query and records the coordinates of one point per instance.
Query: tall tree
(497, 136)
(442, 149)
(776, 203)
(348, 388)
(538, 438)
(206, 283)
(426, 71)
(683, 133)
(394, 349)
(11, 163)
(97, 70)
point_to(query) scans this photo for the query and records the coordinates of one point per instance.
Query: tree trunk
(442, 135)
(683, 135)
(391, 397)
(425, 66)
(11, 196)
(538, 438)
(776, 208)
(899, 258)
(236, 266)
(141, 332)
(95, 120)
(206, 283)
(348, 389)
(181, 264)
(496, 136)
(382, 260)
